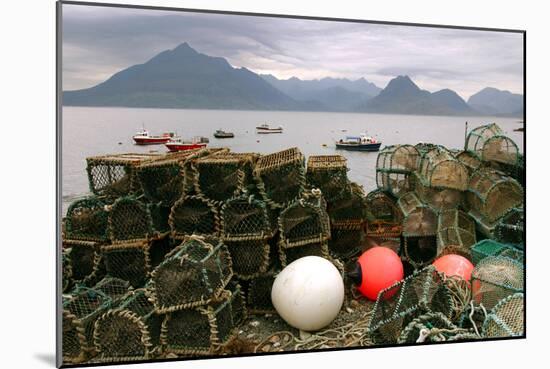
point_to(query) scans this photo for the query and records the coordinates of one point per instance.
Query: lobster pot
(437, 198)
(258, 296)
(160, 215)
(394, 183)
(386, 217)
(66, 270)
(250, 257)
(516, 171)
(493, 194)
(425, 147)
(494, 278)
(304, 221)
(350, 211)
(194, 215)
(315, 248)
(489, 247)
(246, 218)
(397, 159)
(128, 261)
(511, 228)
(159, 248)
(162, 179)
(396, 306)
(131, 331)
(80, 313)
(346, 243)
(506, 318)
(489, 144)
(193, 274)
(114, 288)
(418, 219)
(469, 160)
(206, 329)
(87, 220)
(419, 251)
(456, 233)
(280, 177)
(116, 175)
(223, 175)
(130, 220)
(440, 169)
(84, 261)
(329, 173)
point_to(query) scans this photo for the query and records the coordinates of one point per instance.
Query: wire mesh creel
(193, 274)
(440, 169)
(506, 319)
(493, 194)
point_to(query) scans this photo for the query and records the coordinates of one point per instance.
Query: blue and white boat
(358, 143)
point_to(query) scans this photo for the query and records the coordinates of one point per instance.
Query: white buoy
(308, 293)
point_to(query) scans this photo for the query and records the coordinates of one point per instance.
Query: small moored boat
(222, 134)
(265, 128)
(181, 145)
(144, 138)
(358, 143)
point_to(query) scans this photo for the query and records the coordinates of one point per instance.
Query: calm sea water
(98, 131)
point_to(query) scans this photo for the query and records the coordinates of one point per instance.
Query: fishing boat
(181, 145)
(222, 134)
(358, 143)
(143, 137)
(265, 128)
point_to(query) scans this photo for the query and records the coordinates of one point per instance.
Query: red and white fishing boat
(181, 145)
(144, 138)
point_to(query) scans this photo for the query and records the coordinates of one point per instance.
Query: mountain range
(185, 78)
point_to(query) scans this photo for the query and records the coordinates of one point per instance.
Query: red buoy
(454, 265)
(378, 268)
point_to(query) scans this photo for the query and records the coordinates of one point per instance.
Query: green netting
(469, 160)
(489, 247)
(223, 175)
(433, 327)
(437, 198)
(510, 228)
(304, 221)
(250, 258)
(440, 169)
(163, 179)
(87, 219)
(493, 194)
(494, 278)
(329, 173)
(346, 243)
(246, 218)
(258, 296)
(456, 233)
(396, 306)
(394, 183)
(194, 215)
(385, 216)
(350, 211)
(289, 254)
(204, 330)
(128, 261)
(489, 144)
(193, 274)
(131, 331)
(398, 159)
(84, 261)
(280, 177)
(116, 175)
(80, 313)
(506, 318)
(130, 220)
(419, 219)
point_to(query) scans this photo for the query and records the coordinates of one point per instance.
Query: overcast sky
(100, 41)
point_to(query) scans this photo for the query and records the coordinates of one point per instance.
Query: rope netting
(510, 228)
(329, 173)
(250, 258)
(258, 294)
(194, 215)
(84, 260)
(456, 233)
(130, 220)
(246, 218)
(128, 261)
(437, 198)
(506, 319)
(469, 160)
(87, 219)
(346, 243)
(419, 219)
(440, 169)
(193, 274)
(350, 211)
(385, 217)
(489, 143)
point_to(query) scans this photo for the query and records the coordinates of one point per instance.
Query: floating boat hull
(266, 131)
(359, 147)
(224, 135)
(179, 146)
(142, 140)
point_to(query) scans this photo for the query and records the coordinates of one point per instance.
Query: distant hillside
(492, 101)
(403, 96)
(340, 94)
(184, 78)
